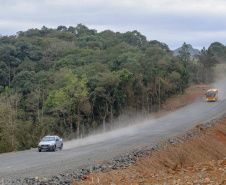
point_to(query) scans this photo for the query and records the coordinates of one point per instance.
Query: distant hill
(192, 51)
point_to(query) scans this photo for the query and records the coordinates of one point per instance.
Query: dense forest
(74, 81)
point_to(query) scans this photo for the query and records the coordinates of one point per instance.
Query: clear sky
(173, 22)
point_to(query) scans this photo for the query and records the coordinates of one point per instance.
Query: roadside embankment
(198, 157)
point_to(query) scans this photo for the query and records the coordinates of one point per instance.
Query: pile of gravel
(118, 162)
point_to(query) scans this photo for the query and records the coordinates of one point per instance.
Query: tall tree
(3, 75)
(8, 56)
(82, 30)
(134, 38)
(104, 95)
(25, 82)
(8, 119)
(71, 99)
(206, 63)
(184, 55)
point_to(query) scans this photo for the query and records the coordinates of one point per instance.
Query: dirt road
(85, 152)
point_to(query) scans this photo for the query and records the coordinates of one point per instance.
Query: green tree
(8, 56)
(163, 46)
(110, 39)
(56, 48)
(82, 30)
(25, 82)
(174, 79)
(153, 55)
(3, 75)
(26, 49)
(104, 95)
(90, 42)
(218, 51)
(134, 38)
(71, 99)
(184, 55)
(62, 28)
(206, 63)
(26, 65)
(130, 61)
(126, 100)
(184, 80)
(8, 120)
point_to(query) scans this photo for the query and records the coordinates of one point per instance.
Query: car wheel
(61, 146)
(39, 150)
(54, 148)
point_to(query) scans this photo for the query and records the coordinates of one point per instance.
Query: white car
(50, 143)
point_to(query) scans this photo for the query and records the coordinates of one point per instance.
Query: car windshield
(210, 94)
(48, 139)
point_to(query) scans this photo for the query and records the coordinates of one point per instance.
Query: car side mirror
(57, 139)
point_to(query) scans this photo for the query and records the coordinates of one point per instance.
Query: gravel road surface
(85, 152)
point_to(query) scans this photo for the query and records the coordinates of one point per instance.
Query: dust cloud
(98, 138)
(135, 129)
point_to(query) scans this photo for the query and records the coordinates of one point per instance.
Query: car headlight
(51, 144)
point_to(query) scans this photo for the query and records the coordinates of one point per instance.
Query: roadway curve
(79, 153)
